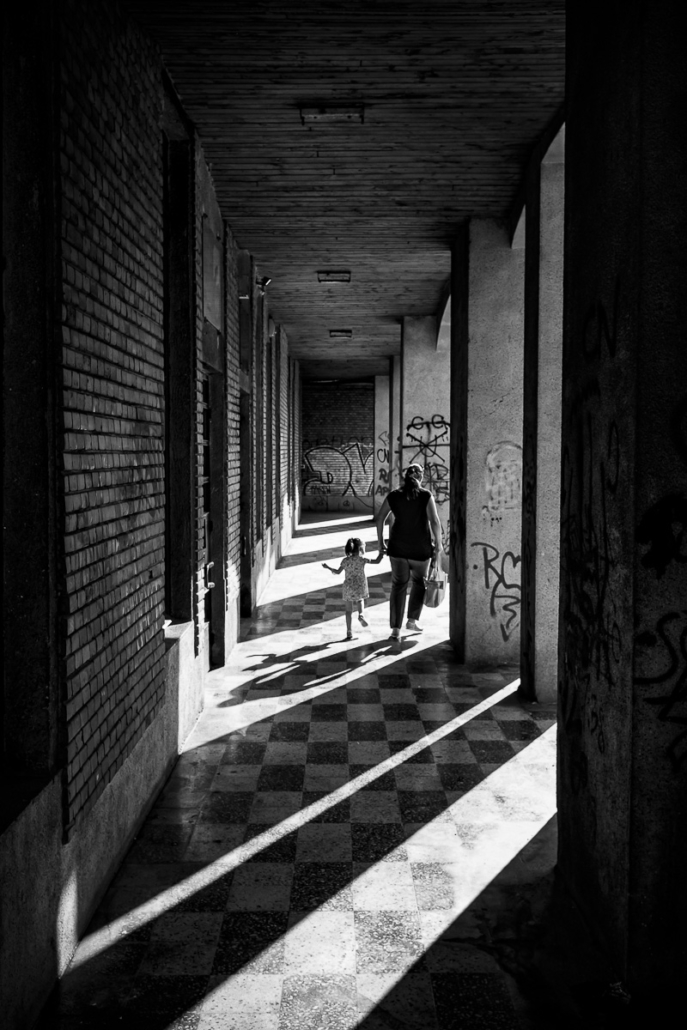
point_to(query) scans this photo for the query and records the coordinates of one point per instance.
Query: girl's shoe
(412, 624)
(349, 636)
(395, 634)
(362, 620)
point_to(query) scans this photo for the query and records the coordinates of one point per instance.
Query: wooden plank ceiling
(454, 94)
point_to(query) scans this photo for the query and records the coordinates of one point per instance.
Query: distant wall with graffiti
(337, 467)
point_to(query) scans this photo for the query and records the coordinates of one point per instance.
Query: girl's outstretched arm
(376, 561)
(335, 571)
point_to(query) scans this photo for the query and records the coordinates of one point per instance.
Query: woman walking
(416, 523)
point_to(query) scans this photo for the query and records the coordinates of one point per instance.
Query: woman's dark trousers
(403, 571)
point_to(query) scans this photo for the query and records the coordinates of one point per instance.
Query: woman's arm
(434, 524)
(383, 515)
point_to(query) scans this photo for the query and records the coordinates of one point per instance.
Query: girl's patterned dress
(355, 582)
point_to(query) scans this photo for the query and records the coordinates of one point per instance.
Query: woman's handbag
(435, 586)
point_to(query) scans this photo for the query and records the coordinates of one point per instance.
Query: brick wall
(274, 428)
(338, 447)
(198, 436)
(233, 462)
(297, 432)
(112, 362)
(269, 431)
(284, 419)
(259, 421)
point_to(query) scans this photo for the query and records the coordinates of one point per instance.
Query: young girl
(355, 582)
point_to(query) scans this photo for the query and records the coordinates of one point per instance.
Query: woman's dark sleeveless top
(410, 536)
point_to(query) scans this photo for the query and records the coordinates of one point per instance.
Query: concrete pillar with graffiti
(487, 413)
(395, 365)
(426, 396)
(381, 442)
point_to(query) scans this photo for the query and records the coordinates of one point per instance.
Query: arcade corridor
(345, 841)
(258, 258)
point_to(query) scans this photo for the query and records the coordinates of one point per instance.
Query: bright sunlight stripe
(167, 899)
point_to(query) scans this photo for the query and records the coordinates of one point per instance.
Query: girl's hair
(354, 545)
(412, 477)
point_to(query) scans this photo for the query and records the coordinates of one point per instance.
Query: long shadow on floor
(297, 666)
(183, 920)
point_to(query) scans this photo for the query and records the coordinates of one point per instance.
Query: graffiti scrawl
(429, 446)
(338, 477)
(502, 479)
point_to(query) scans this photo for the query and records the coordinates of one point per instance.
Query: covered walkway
(357, 834)
(258, 258)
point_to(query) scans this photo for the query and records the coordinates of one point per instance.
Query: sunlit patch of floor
(339, 812)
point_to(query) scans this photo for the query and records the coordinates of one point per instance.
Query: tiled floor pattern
(335, 814)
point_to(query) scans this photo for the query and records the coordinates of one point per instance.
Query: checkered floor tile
(337, 814)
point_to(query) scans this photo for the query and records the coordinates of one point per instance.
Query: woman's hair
(354, 545)
(412, 477)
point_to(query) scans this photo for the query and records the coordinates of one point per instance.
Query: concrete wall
(426, 400)
(494, 446)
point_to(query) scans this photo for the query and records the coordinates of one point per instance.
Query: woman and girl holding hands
(415, 534)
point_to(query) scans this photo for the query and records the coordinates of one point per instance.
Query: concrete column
(542, 425)
(381, 442)
(486, 463)
(623, 639)
(395, 421)
(425, 408)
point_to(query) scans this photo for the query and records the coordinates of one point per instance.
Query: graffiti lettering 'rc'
(504, 588)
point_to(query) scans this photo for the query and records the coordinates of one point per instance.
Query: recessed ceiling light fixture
(342, 276)
(344, 334)
(332, 113)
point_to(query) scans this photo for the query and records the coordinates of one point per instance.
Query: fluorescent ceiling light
(343, 276)
(333, 113)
